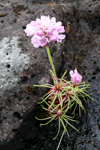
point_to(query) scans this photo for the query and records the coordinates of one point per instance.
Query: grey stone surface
(12, 63)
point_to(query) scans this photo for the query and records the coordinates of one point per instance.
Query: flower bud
(76, 78)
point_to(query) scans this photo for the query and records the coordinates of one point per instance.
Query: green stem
(60, 140)
(50, 59)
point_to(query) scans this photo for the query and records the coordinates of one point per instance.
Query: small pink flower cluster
(76, 78)
(45, 30)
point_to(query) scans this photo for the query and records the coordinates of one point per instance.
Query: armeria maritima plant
(63, 97)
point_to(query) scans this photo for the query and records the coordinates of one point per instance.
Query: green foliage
(63, 97)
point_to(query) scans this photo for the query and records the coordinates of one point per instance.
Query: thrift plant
(45, 30)
(63, 97)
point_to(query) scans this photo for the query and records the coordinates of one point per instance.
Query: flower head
(45, 30)
(76, 78)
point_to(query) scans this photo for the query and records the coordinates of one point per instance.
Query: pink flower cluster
(76, 78)
(45, 30)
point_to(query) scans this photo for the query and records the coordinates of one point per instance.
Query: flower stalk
(50, 59)
(60, 140)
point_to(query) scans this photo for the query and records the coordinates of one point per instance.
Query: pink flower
(76, 78)
(45, 30)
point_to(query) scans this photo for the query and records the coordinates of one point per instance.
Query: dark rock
(22, 66)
